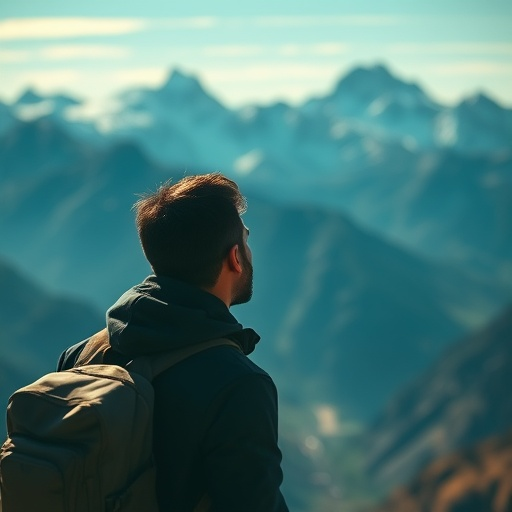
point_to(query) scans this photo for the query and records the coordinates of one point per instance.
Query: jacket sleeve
(242, 458)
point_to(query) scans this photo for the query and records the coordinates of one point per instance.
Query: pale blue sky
(255, 52)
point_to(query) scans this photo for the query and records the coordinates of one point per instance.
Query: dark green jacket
(215, 412)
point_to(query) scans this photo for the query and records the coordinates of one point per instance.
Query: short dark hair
(186, 229)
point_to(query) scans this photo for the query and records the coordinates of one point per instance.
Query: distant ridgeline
(380, 220)
(432, 177)
(381, 228)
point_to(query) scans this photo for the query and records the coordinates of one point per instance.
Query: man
(215, 434)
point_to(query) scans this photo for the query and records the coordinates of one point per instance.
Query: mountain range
(384, 251)
(378, 312)
(435, 179)
(368, 100)
(381, 229)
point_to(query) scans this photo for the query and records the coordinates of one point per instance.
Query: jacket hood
(163, 314)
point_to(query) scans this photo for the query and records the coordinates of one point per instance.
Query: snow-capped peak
(179, 82)
(29, 97)
(480, 101)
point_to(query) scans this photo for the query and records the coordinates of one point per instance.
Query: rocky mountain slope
(475, 480)
(463, 399)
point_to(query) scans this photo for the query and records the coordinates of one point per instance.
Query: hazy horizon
(248, 54)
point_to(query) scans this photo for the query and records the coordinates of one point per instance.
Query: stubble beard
(244, 292)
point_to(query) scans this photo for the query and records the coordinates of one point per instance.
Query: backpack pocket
(32, 477)
(139, 496)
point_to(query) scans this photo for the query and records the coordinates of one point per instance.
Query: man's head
(191, 230)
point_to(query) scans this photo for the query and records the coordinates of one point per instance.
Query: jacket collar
(162, 314)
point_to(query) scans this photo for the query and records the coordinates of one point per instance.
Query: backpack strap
(96, 349)
(152, 366)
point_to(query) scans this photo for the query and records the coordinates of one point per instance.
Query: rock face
(475, 480)
(462, 400)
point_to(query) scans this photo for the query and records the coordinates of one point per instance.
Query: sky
(259, 52)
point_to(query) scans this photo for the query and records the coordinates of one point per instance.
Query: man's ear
(234, 260)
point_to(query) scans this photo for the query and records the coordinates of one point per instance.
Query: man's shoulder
(214, 372)
(222, 365)
(232, 361)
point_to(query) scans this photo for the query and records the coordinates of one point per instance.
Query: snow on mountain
(297, 149)
(365, 92)
(271, 126)
(29, 97)
(478, 124)
(31, 105)
(376, 147)
(378, 102)
(181, 124)
(284, 136)
(178, 124)
(181, 97)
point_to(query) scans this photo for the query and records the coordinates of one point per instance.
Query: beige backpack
(81, 440)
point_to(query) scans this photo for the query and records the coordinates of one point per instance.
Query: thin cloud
(461, 47)
(283, 50)
(290, 50)
(13, 56)
(72, 27)
(51, 79)
(269, 73)
(143, 76)
(470, 68)
(79, 81)
(60, 28)
(318, 49)
(233, 50)
(91, 51)
(195, 23)
(329, 49)
(206, 22)
(321, 21)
